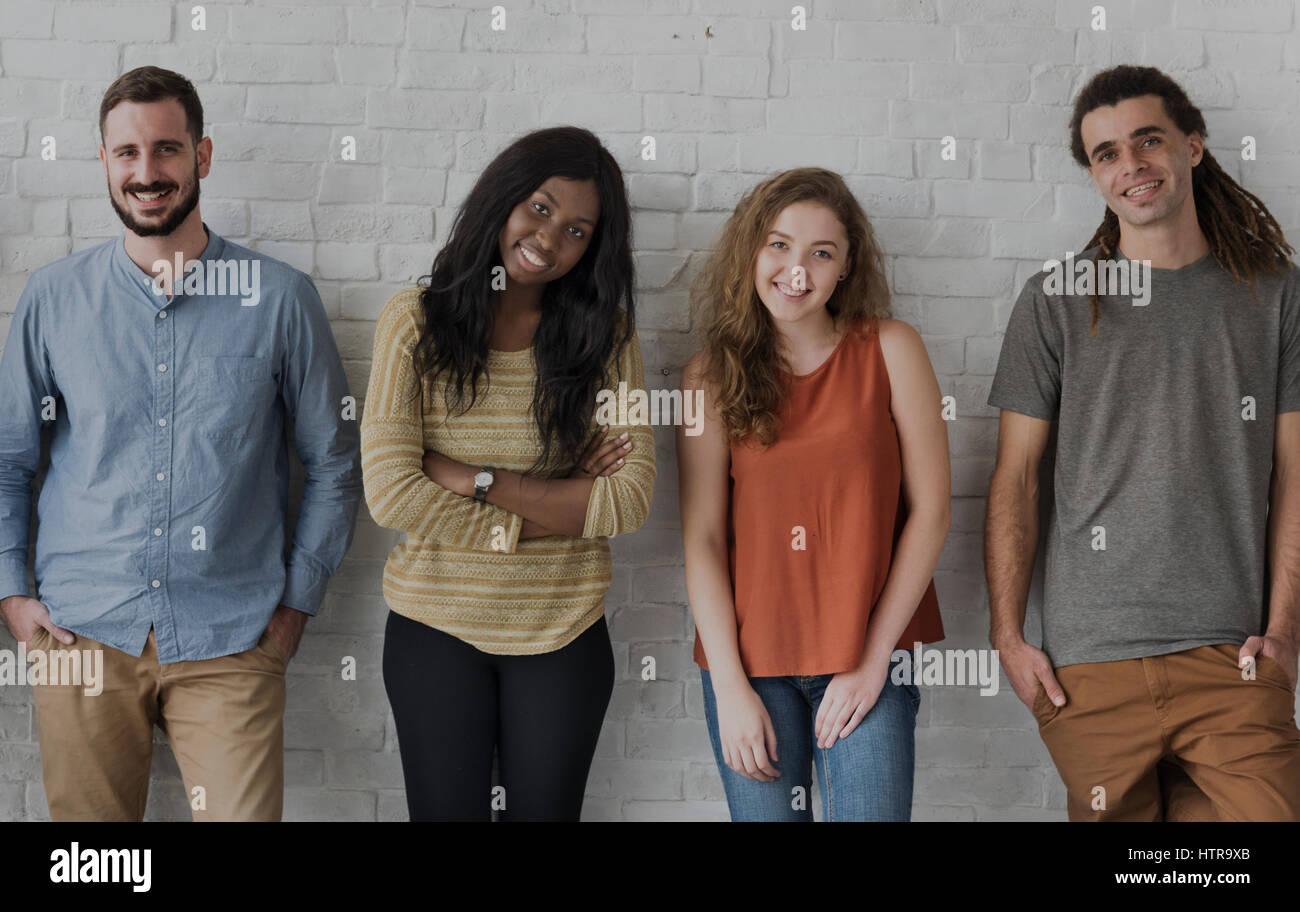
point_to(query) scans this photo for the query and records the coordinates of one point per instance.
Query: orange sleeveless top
(814, 520)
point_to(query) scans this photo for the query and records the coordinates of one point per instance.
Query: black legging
(453, 704)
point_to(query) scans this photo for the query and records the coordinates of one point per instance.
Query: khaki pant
(224, 718)
(1175, 737)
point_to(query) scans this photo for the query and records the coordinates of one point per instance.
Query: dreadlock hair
(1244, 237)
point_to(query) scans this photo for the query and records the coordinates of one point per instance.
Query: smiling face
(1141, 163)
(549, 230)
(802, 258)
(151, 165)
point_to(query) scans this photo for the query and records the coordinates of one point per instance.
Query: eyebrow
(555, 202)
(814, 243)
(1140, 131)
(160, 142)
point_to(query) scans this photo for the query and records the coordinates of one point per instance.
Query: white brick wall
(731, 93)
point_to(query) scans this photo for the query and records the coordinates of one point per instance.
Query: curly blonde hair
(741, 359)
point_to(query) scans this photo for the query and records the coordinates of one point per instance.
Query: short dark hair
(151, 83)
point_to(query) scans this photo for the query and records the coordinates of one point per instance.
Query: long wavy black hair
(582, 328)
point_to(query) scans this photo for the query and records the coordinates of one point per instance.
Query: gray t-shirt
(1158, 531)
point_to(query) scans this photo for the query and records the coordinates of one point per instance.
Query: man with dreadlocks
(1165, 687)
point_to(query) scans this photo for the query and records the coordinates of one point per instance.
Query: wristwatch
(482, 481)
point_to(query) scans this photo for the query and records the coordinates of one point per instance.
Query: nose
(544, 240)
(147, 170)
(1130, 161)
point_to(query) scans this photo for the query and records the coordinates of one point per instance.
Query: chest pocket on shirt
(234, 397)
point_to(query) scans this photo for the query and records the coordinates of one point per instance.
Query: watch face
(483, 479)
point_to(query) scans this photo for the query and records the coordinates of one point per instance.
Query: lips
(151, 199)
(531, 259)
(788, 292)
(1142, 190)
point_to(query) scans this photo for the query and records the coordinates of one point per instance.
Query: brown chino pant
(1175, 737)
(224, 718)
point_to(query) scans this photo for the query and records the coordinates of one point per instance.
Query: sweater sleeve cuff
(594, 499)
(504, 536)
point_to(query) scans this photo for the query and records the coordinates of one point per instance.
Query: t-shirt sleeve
(1288, 358)
(1028, 378)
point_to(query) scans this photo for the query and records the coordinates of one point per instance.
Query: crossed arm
(556, 506)
(430, 495)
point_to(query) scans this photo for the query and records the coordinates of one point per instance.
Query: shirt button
(162, 422)
(156, 584)
(162, 315)
(160, 476)
(157, 531)
(162, 367)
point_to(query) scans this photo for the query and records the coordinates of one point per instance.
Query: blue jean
(866, 776)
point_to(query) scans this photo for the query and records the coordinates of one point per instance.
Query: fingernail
(620, 462)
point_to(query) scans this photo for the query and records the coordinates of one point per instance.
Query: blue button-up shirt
(165, 501)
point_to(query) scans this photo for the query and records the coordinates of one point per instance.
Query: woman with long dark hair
(814, 506)
(480, 441)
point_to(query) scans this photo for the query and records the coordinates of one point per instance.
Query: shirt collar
(142, 280)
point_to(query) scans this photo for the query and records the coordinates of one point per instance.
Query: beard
(187, 197)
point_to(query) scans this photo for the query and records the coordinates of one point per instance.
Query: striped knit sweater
(462, 567)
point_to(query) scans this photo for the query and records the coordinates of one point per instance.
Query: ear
(203, 153)
(1196, 145)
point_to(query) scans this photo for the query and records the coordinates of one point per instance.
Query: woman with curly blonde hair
(814, 507)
